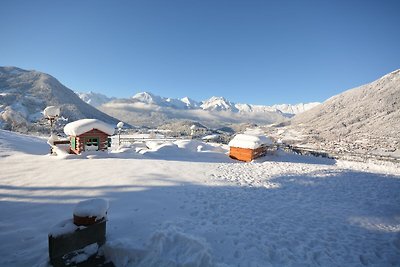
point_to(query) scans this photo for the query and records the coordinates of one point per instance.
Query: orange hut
(246, 147)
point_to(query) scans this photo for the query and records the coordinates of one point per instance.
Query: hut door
(92, 144)
(73, 142)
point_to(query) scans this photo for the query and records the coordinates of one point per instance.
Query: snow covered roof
(85, 125)
(249, 141)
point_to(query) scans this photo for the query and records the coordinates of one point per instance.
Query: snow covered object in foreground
(89, 211)
(88, 135)
(76, 243)
(246, 147)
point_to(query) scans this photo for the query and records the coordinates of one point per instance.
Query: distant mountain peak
(94, 99)
(218, 103)
(190, 103)
(147, 97)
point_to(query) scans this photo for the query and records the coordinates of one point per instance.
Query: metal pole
(119, 137)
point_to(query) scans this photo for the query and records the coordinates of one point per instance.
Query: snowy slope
(186, 204)
(366, 117)
(24, 95)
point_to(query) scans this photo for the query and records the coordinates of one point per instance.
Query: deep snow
(188, 204)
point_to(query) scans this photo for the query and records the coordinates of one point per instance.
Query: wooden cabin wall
(80, 140)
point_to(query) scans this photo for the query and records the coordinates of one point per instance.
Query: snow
(190, 103)
(197, 207)
(295, 109)
(96, 207)
(148, 98)
(249, 141)
(53, 137)
(82, 126)
(51, 111)
(210, 137)
(64, 227)
(84, 253)
(218, 104)
(94, 99)
(215, 104)
(165, 248)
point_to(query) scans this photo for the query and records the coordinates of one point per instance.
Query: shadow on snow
(337, 218)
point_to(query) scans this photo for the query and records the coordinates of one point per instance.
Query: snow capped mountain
(147, 109)
(176, 103)
(24, 95)
(148, 98)
(218, 104)
(295, 109)
(221, 104)
(215, 103)
(151, 99)
(94, 99)
(190, 103)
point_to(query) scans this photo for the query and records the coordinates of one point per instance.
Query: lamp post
(119, 126)
(51, 113)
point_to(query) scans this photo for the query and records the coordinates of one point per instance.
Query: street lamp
(119, 126)
(51, 113)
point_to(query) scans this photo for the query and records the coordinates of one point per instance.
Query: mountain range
(147, 109)
(213, 104)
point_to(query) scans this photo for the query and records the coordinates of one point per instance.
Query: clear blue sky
(257, 52)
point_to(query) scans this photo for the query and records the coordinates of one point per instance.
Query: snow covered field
(187, 204)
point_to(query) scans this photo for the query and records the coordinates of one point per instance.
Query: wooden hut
(88, 135)
(247, 147)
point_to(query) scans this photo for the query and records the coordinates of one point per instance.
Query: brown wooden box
(246, 154)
